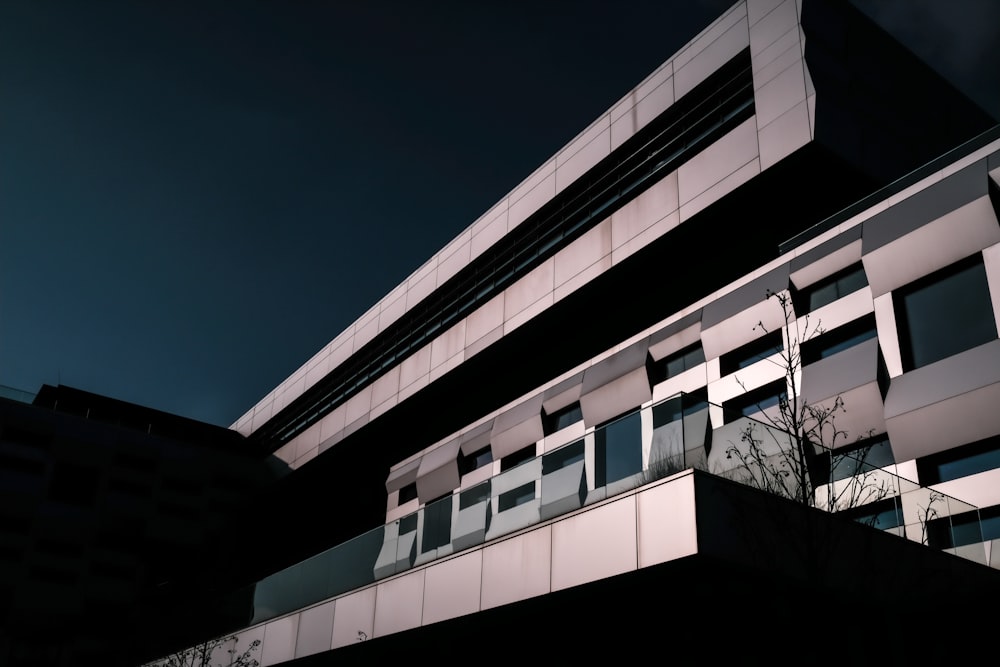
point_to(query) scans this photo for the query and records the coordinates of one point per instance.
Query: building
(528, 434)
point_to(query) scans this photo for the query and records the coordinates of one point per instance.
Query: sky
(195, 197)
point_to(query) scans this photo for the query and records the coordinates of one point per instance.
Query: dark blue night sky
(195, 197)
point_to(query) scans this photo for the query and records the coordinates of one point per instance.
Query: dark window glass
(830, 289)
(750, 353)
(517, 458)
(560, 419)
(562, 457)
(474, 495)
(882, 515)
(754, 401)
(677, 363)
(408, 523)
(671, 410)
(74, 484)
(522, 494)
(836, 340)
(437, 524)
(960, 462)
(408, 493)
(966, 528)
(475, 460)
(846, 462)
(944, 313)
(618, 449)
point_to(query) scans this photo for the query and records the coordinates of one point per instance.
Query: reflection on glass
(618, 449)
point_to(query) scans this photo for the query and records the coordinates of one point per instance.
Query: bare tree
(219, 652)
(794, 449)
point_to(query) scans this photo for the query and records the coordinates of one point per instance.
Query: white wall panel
(595, 544)
(590, 248)
(485, 319)
(354, 613)
(531, 201)
(653, 102)
(666, 522)
(785, 135)
(529, 289)
(452, 587)
(780, 94)
(399, 603)
(710, 58)
(315, 630)
(415, 366)
(645, 210)
(279, 640)
(758, 9)
(487, 233)
(517, 568)
(772, 26)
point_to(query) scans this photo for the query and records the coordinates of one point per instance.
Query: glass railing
(640, 447)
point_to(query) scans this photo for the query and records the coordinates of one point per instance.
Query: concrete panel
(563, 394)
(413, 387)
(279, 640)
(543, 173)
(742, 327)
(841, 311)
(341, 350)
(483, 342)
(306, 457)
(772, 26)
(532, 201)
(419, 290)
(666, 522)
(616, 397)
(623, 128)
(528, 313)
(415, 366)
(359, 405)
(529, 289)
(676, 341)
(646, 87)
(391, 311)
(776, 58)
(784, 135)
(852, 375)
(399, 603)
(386, 386)
(484, 319)
(690, 380)
(645, 237)
(315, 630)
(517, 568)
(945, 404)
(653, 103)
(590, 248)
(713, 178)
(261, 414)
(735, 16)
(288, 452)
(709, 59)
(455, 262)
(448, 344)
(595, 544)
(246, 638)
(452, 588)
(242, 426)
(332, 423)
(645, 210)
(888, 338)
(582, 278)
(308, 439)
(758, 9)
(780, 94)
(755, 375)
(354, 619)
(438, 472)
(485, 235)
(936, 245)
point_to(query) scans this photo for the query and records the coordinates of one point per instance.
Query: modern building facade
(549, 413)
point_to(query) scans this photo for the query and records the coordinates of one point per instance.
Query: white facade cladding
(534, 430)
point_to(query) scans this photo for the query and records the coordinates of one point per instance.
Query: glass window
(407, 493)
(944, 313)
(754, 401)
(965, 528)
(437, 524)
(836, 340)
(475, 460)
(522, 494)
(750, 353)
(618, 449)
(560, 419)
(474, 496)
(961, 461)
(562, 457)
(830, 289)
(517, 458)
(852, 461)
(883, 515)
(678, 362)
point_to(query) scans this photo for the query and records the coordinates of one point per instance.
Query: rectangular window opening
(829, 289)
(751, 353)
